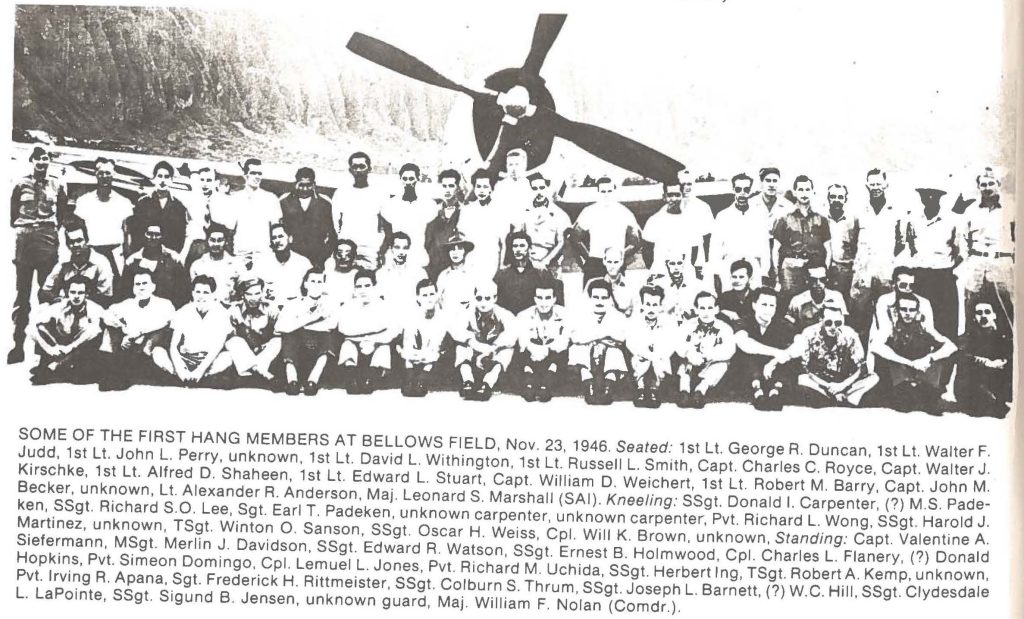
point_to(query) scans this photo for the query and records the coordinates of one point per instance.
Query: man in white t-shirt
(282, 270)
(255, 210)
(218, 263)
(104, 212)
(604, 225)
(409, 213)
(357, 211)
(681, 227)
(486, 223)
(199, 331)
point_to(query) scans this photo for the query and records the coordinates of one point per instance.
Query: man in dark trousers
(517, 282)
(161, 208)
(307, 217)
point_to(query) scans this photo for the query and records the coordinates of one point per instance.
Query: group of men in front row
(218, 307)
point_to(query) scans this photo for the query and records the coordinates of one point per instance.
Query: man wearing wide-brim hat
(455, 284)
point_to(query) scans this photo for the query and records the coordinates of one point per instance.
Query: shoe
(17, 355)
(698, 399)
(605, 393)
(311, 388)
(760, 401)
(684, 400)
(467, 391)
(589, 392)
(653, 401)
(529, 391)
(483, 393)
(640, 399)
(293, 388)
(369, 385)
(543, 393)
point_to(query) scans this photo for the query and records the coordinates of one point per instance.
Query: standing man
(741, 233)
(105, 213)
(85, 263)
(546, 224)
(990, 239)
(255, 209)
(881, 229)
(933, 241)
(801, 236)
(487, 224)
(543, 343)
(485, 338)
(409, 214)
(518, 282)
(308, 217)
(357, 212)
(602, 226)
(68, 333)
(682, 227)
(445, 224)
(218, 263)
(162, 208)
(769, 197)
(844, 230)
(198, 333)
(39, 204)
(207, 206)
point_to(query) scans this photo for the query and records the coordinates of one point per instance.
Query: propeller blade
(390, 57)
(618, 149)
(544, 35)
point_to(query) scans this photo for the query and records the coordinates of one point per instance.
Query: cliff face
(215, 84)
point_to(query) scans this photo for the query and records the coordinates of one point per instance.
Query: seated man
(169, 275)
(915, 352)
(805, 309)
(833, 361)
(422, 336)
(736, 302)
(455, 284)
(253, 343)
(485, 338)
(367, 328)
(218, 263)
(198, 333)
(596, 344)
(282, 269)
(341, 270)
(135, 326)
(543, 342)
(68, 333)
(397, 279)
(984, 380)
(706, 348)
(306, 326)
(761, 337)
(650, 340)
(86, 263)
(517, 282)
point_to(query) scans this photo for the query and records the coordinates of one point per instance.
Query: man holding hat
(456, 282)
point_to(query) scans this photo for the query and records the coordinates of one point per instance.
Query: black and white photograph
(698, 308)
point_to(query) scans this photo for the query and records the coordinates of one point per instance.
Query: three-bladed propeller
(534, 129)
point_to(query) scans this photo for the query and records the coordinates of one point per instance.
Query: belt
(991, 254)
(37, 224)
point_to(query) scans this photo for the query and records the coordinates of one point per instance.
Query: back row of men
(813, 262)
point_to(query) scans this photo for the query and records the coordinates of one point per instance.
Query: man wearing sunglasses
(834, 368)
(741, 233)
(914, 353)
(806, 309)
(485, 338)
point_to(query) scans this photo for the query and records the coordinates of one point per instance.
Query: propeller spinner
(518, 111)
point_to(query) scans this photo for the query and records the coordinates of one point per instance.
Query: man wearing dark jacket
(307, 217)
